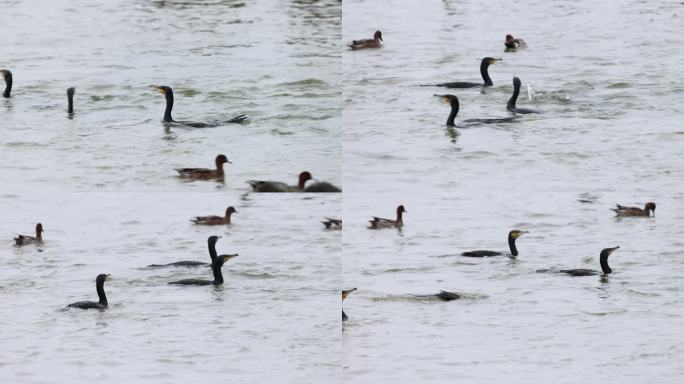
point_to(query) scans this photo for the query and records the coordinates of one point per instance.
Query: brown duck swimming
(346, 293)
(621, 210)
(512, 43)
(23, 239)
(367, 43)
(512, 236)
(332, 223)
(215, 220)
(379, 222)
(7, 75)
(204, 173)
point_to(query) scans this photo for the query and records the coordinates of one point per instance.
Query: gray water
(104, 187)
(608, 77)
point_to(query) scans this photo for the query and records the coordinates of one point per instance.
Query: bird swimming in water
(379, 222)
(512, 236)
(211, 243)
(345, 293)
(603, 260)
(102, 303)
(216, 269)
(375, 42)
(204, 173)
(215, 220)
(621, 210)
(168, 93)
(70, 99)
(277, 186)
(7, 75)
(455, 106)
(514, 98)
(24, 239)
(512, 43)
(332, 223)
(484, 71)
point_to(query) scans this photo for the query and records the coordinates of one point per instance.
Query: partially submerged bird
(514, 98)
(603, 260)
(70, 99)
(375, 42)
(484, 72)
(204, 173)
(215, 220)
(7, 76)
(379, 222)
(277, 186)
(24, 239)
(512, 236)
(621, 210)
(332, 223)
(211, 244)
(455, 106)
(216, 266)
(102, 303)
(512, 43)
(168, 93)
(448, 296)
(345, 293)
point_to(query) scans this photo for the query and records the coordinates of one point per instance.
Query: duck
(621, 210)
(512, 43)
(375, 42)
(379, 222)
(24, 239)
(332, 223)
(345, 293)
(277, 186)
(215, 220)
(204, 173)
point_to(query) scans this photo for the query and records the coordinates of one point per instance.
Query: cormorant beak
(158, 88)
(443, 97)
(493, 61)
(228, 257)
(109, 277)
(613, 250)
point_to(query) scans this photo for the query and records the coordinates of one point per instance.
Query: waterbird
(375, 42)
(102, 303)
(168, 93)
(484, 72)
(379, 222)
(514, 98)
(455, 106)
(512, 236)
(621, 210)
(215, 220)
(204, 173)
(24, 239)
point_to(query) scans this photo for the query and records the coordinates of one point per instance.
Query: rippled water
(608, 77)
(104, 187)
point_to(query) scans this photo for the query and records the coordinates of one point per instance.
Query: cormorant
(511, 102)
(455, 105)
(216, 269)
(7, 75)
(379, 222)
(102, 303)
(211, 243)
(367, 43)
(603, 259)
(204, 173)
(24, 239)
(512, 236)
(635, 211)
(215, 220)
(70, 98)
(484, 71)
(346, 293)
(168, 93)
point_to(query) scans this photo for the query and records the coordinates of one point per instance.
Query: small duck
(345, 293)
(378, 222)
(621, 210)
(215, 220)
(332, 223)
(277, 186)
(512, 43)
(367, 43)
(204, 173)
(23, 239)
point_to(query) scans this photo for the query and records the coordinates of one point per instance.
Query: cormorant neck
(514, 97)
(604, 264)
(71, 104)
(212, 251)
(511, 245)
(8, 85)
(101, 293)
(452, 115)
(169, 107)
(218, 276)
(485, 74)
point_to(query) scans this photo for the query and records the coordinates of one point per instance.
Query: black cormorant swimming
(70, 99)
(168, 93)
(603, 260)
(484, 71)
(211, 243)
(7, 75)
(512, 236)
(102, 303)
(455, 105)
(216, 269)
(511, 102)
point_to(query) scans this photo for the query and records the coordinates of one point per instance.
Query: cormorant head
(303, 178)
(378, 36)
(70, 91)
(6, 74)
(487, 61)
(101, 278)
(451, 99)
(230, 210)
(514, 234)
(650, 206)
(222, 159)
(346, 292)
(400, 210)
(39, 228)
(516, 82)
(213, 239)
(164, 90)
(607, 252)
